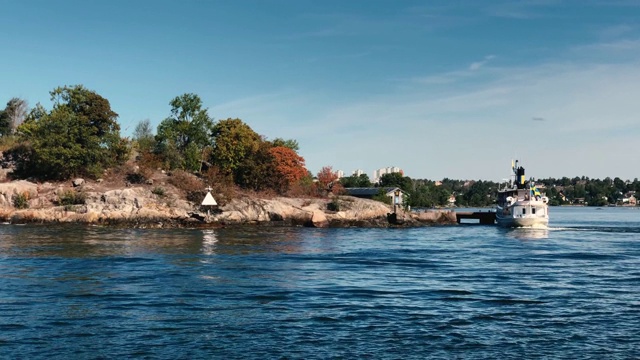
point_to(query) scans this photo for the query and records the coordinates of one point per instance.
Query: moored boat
(520, 204)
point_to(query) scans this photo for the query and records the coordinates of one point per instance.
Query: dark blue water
(572, 291)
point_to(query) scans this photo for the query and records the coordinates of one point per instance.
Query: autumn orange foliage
(327, 177)
(288, 164)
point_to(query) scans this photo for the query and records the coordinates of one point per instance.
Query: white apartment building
(357, 172)
(388, 170)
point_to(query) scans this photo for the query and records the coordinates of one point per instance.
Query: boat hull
(522, 222)
(514, 216)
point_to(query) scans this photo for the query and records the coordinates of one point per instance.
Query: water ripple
(472, 292)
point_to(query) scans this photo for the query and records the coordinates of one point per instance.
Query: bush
(8, 142)
(21, 201)
(186, 181)
(139, 174)
(136, 178)
(222, 186)
(149, 162)
(334, 205)
(382, 197)
(196, 196)
(303, 187)
(190, 184)
(158, 191)
(70, 197)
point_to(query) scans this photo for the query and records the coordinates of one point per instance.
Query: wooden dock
(484, 217)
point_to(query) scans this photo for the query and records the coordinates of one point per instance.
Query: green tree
(79, 136)
(291, 144)
(258, 171)
(396, 179)
(427, 194)
(361, 180)
(233, 142)
(182, 137)
(382, 197)
(5, 123)
(480, 193)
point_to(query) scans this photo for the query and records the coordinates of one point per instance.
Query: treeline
(80, 136)
(592, 192)
(428, 193)
(563, 191)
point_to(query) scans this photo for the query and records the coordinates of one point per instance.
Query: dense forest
(80, 136)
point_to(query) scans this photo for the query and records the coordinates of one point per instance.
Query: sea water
(468, 291)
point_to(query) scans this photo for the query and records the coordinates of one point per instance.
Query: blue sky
(439, 88)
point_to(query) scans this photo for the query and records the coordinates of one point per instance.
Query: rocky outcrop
(9, 190)
(139, 207)
(353, 212)
(127, 206)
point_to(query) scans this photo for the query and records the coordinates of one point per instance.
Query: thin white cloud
(587, 103)
(463, 128)
(478, 64)
(624, 45)
(617, 31)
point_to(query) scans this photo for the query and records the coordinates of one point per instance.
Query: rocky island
(143, 205)
(69, 164)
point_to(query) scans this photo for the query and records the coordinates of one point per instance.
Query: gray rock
(8, 190)
(78, 182)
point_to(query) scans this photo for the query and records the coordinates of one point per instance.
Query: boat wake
(536, 227)
(605, 229)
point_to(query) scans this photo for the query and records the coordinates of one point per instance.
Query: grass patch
(21, 201)
(70, 197)
(158, 191)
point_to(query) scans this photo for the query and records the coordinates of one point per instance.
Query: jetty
(483, 217)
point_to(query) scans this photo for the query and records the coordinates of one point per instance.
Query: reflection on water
(70, 241)
(209, 241)
(528, 233)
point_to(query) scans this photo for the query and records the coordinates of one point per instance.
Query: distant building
(630, 199)
(358, 172)
(388, 170)
(340, 174)
(370, 192)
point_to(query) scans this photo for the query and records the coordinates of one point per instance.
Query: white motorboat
(520, 204)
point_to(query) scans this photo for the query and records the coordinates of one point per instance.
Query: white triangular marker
(209, 200)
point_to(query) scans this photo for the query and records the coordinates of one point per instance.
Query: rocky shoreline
(140, 207)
